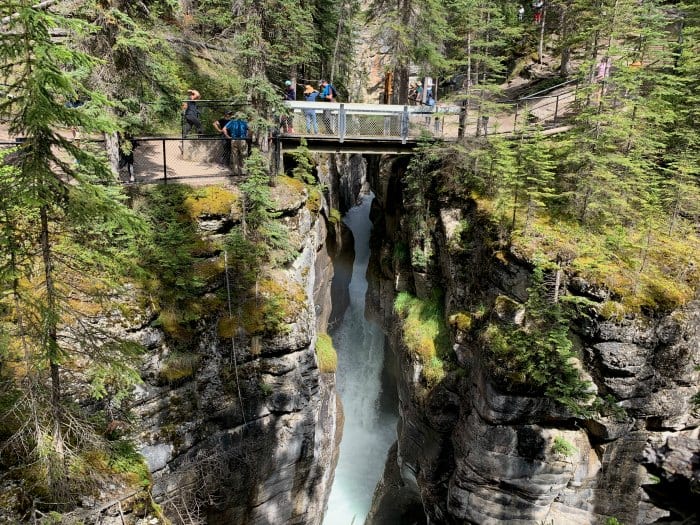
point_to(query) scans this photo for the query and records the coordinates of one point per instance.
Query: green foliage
(270, 236)
(424, 333)
(562, 447)
(125, 459)
(537, 356)
(326, 354)
(612, 521)
(335, 217)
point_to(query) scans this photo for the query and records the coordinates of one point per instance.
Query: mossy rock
(461, 321)
(314, 202)
(508, 310)
(178, 367)
(289, 194)
(268, 310)
(212, 201)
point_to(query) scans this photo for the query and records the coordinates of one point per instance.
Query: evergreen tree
(415, 33)
(68, 236)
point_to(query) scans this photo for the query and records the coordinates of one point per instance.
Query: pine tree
(68, 236)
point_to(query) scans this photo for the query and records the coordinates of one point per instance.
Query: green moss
(267, 309)
(461, 321)
(315, 200)
(506, 307)
(325, 353)
(295, 185)
(335, 216)
(179, 366)
(209, 201)
(208, 269)
(424, 333)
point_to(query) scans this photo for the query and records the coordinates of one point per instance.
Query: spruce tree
(68, 236)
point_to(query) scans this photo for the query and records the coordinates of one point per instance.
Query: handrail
(573, 80)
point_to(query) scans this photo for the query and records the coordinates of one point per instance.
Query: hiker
(310, 95)
(191, 113)
(219, 126)
(287, 121)
(521, 12)
(237, 131)
(327, 94)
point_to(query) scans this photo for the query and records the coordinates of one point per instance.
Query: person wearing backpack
(327, 94)
(237, 130)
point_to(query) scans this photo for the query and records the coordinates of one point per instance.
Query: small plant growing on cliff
(537, 355)
(326, 354)
(563, 447)
(424, 333)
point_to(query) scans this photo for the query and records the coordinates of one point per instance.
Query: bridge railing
(360, 121)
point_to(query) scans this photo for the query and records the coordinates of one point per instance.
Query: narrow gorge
(468, 449)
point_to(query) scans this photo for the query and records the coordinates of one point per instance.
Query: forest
(612, 197)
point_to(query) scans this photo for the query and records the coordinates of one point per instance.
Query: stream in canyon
(370, 415)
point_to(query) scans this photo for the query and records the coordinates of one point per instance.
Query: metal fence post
(404, 125)
(342, 124)
(515, 120)
(556, 110)
(165, 163)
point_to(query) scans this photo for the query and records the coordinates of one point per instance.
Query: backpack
(238, 129)
(334, 92)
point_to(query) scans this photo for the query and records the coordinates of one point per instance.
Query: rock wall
(469, 452)
(250, 437)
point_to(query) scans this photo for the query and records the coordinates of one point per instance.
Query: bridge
(340, 128)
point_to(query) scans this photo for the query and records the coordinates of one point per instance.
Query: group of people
(325, 93)
(537, 10)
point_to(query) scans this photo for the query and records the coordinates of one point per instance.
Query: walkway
(343, 128)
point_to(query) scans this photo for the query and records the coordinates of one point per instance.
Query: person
(219, 126)
(289, 92)
(419, 92)
(191, 113)
(327, 94)
(310, 95)
(603, 69)
(521, 12)
(537, 6)
(237, 131)
(287, 121)
(127, 145)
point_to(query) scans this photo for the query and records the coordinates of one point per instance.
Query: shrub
(326, 354)
(125, 459)
(562, 447)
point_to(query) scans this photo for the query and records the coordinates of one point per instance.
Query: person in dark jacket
(191, 113)
(219, 126)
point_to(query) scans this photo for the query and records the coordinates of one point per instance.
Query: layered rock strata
(471, 452)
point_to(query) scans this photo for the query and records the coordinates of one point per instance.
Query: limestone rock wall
(470, 453)
(250, 437)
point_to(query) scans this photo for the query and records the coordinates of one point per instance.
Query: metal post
(556, 110)
(342, 125)
(404, 125)
(165, 164)
(515, 120)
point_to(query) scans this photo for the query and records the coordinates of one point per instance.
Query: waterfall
(370, 428)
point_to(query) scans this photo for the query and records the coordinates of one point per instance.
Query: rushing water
(370, 428)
